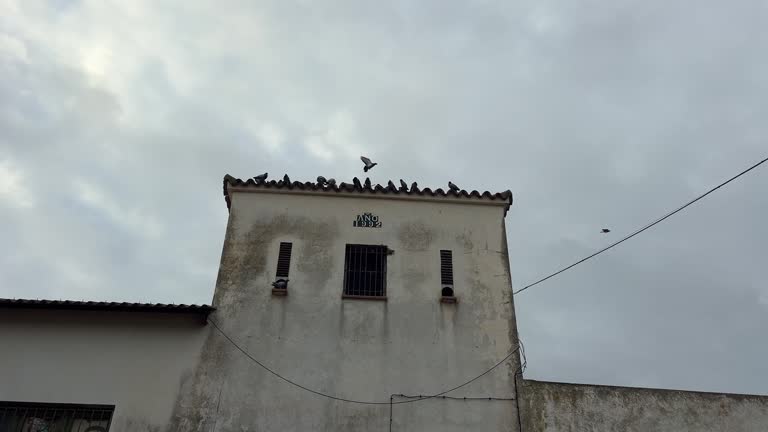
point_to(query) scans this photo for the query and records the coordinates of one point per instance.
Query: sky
(118, 120)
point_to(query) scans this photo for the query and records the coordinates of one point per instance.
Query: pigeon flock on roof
(368, 164)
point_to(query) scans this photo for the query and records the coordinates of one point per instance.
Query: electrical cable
(679, 209)
(318, 393)
(457, 398)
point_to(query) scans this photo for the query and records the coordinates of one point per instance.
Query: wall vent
(446, 267)
(284, 260)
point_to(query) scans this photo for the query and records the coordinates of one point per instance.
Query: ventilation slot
(446, 267)
(284, 260)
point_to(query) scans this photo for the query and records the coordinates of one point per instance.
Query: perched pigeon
(321, 181)
(403, 186)
(391, 186)
(356, 182)
(414, 187)
(368, 163)
(261, 178)
(286, 179)
(331, 182)
(367, 183)
(280, 284)
(605, 231)
(453, 187)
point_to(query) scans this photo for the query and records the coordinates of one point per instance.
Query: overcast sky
(118, 120)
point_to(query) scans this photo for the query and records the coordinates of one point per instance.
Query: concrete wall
(558, 407)
(135, 361)
(360, 349)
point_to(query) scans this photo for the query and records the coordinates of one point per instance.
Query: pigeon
(391, 186)
(261, 178)
(356, 182)
(368, 163)
(414, 187)
(453, 187)
(367, 183)
(403, 186)
(605, 231)
(331, 182)
(286, 179)
(280, 284)
(321, 181)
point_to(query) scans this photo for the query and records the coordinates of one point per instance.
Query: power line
(643, 228)
(318, 393)
(457, 397)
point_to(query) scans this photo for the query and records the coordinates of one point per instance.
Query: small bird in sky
(261, 178)
(605, 231)
(368, 163)
(453, 187)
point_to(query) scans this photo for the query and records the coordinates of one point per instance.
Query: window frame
(382, 251)
(42, 410)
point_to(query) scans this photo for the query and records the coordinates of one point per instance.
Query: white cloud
(13, 193)
(134, 219)
(337, 139)
(270, 136)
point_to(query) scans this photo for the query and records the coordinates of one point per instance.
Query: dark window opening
(45, 417)
(447, 292)
(446, 267)
(365, 271)
(284, 260)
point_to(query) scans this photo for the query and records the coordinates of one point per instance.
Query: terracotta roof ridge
(364, 186)
(104, 305)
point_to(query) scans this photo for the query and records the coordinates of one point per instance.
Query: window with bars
(365, 271)
(45, 417)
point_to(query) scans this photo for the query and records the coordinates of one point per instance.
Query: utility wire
(390, 402)
(457, 398)
(679, 209)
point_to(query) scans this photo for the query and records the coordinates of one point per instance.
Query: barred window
(47, 417)
(365, 271)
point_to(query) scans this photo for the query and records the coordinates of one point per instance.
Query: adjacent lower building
(337, 308)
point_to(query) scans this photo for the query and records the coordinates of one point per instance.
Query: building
(377, 295)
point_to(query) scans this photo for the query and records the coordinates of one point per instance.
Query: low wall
(550, 407)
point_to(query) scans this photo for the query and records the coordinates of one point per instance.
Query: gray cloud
(117, 122)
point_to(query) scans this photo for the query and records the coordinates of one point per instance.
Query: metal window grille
(446, 267)
(365, 270)
(284, 259)
(44, 417)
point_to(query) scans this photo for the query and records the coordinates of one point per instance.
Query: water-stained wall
(559, 407)
(359, 349)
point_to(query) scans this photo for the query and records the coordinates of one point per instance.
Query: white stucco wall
(360, 349)
(135, 361)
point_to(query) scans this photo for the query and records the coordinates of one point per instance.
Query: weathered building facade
(337, 308)
(363, 316)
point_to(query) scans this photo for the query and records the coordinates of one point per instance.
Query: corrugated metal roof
(364, 187)
(104, 306)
